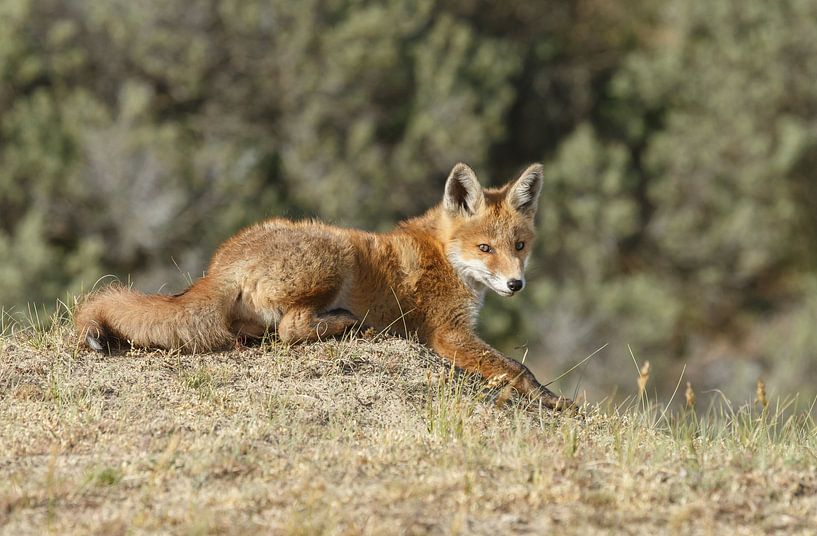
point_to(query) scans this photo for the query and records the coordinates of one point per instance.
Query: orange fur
(306, 280)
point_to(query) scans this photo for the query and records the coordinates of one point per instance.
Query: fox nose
(515, 284)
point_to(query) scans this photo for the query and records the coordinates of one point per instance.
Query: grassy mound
(367, 437)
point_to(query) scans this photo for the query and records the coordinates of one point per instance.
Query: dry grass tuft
(369, 437)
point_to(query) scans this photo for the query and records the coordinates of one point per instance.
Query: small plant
(689, 394)
(205, 381)
(104, 477)
(761, 393)
(643, 378)
(448, 408)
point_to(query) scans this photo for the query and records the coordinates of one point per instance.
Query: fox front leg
(468, 352)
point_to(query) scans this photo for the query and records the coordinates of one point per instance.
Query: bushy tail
(194, 321)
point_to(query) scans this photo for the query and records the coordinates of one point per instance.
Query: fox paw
(545, 398)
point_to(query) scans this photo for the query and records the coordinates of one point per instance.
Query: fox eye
(485, 248)
(520, 246)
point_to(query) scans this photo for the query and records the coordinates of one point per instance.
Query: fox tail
(194, 321)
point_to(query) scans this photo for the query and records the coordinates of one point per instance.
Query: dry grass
(367, 437)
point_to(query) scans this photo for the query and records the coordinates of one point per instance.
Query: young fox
(304, 281)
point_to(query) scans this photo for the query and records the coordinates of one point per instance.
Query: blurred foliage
(679, 140)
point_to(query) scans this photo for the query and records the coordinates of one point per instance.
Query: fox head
(490, 231)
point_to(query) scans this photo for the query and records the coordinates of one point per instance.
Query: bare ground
(365, 437)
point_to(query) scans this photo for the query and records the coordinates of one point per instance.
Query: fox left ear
(524, 192)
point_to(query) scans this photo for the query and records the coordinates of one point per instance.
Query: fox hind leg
(307, 325)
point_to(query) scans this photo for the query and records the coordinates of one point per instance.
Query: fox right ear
(463, 193)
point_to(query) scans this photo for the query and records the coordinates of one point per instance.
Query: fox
(302, 281)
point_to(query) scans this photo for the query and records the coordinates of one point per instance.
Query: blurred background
(679, 138)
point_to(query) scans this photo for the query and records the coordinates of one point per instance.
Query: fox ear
(463, 193)
(524, 192)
